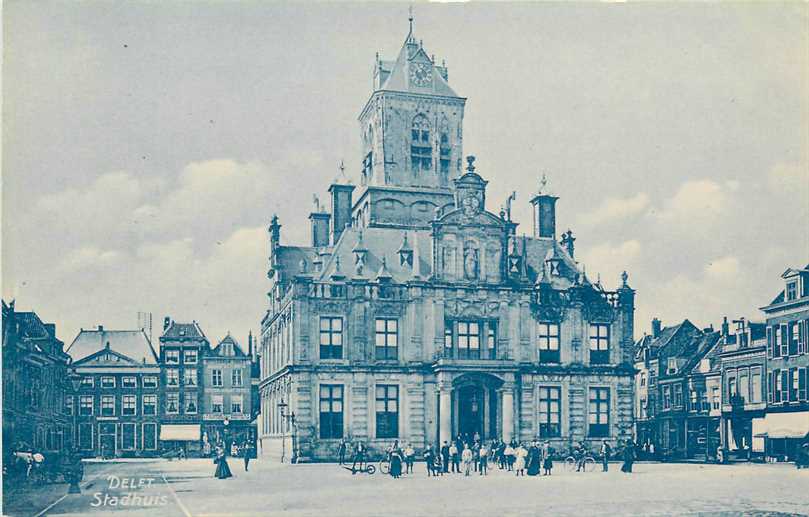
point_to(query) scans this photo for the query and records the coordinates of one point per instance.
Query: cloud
(89, 257)
(725, 269)
(696, 200)
(610, 260)
(617, 208)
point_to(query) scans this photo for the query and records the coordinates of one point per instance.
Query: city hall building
(416, 313)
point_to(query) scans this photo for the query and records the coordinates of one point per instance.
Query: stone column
(508, 413)
(445, 409)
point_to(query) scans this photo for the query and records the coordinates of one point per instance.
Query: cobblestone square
(188, 488)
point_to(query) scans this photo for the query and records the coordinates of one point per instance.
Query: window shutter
(776, 386)
(769, 342)
(785, 385)
(784, 340)
(801, 336)
(770, 387)
(802, 383)
(791, 385)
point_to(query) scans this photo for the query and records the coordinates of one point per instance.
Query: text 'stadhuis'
(417, 314)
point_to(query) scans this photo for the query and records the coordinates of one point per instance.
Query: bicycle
(384, 465)
(588, 463)
(364, 468)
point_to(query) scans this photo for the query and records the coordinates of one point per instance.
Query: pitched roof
(183, 331)
(398, 79)
(133, 344)
(228, 339)
(702, 345)
(670, 340)
(380, 242)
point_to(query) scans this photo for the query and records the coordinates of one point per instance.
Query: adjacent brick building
(182, 347)
(117, 404)
(227, 406)
(787, 420)
(34, 383)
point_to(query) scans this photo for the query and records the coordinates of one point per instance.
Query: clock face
(421, 74)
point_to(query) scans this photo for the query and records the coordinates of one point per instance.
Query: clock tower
(412, 131)
(412, 141)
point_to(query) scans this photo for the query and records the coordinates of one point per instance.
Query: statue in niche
(470, 263)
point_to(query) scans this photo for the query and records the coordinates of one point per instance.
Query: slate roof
(702, 346)
(386, 242)
(31, 326)
(183, 331)
(398, 80)
(670, 339)
(134, 344)
(381, 242)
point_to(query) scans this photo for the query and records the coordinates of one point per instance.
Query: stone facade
(427, 316)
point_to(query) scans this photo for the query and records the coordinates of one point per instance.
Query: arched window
(368, 160)
(421, 148)
(444, 146)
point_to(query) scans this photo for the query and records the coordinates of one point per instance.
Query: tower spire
(410, 19)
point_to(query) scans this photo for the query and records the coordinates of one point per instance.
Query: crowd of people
(470, 454)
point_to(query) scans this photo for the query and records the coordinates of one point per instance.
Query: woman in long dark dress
(534, 460)
(396, 463)
(222, 468)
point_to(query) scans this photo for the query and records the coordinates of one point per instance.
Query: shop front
(779, 435)
(185, 437)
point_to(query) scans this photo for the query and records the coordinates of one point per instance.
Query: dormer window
(672, 366)
(792, 290)
(421, 148)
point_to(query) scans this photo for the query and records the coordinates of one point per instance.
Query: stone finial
(471, 163)
(624, 279)
(543, 184)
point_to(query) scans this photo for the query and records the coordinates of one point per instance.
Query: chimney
(166, 323)
(544, 212)
(101, 328)
(725, 327)
(250, 344)
(320, 229)
(340, 209)
(656, 327)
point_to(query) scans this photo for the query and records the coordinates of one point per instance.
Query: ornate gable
(469, 242)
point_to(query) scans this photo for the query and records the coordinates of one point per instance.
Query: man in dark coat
(629, 456)
(445, 456)
(359, 457)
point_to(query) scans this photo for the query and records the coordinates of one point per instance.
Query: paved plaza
(183, 488)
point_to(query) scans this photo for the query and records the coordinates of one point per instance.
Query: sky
(147, 145)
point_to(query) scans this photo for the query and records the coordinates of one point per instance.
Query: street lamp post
(282, 407)
(74, 379)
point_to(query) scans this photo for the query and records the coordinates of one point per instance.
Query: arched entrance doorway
(476, 405)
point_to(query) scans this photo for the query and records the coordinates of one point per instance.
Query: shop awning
(782, 425)
(180, 432)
